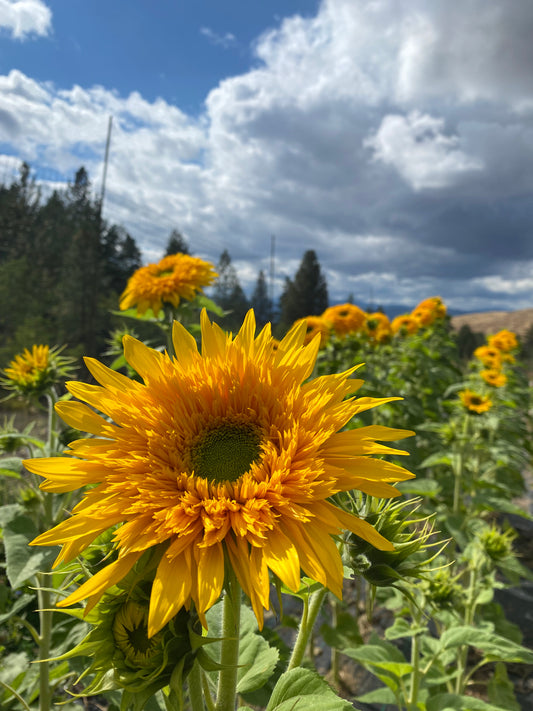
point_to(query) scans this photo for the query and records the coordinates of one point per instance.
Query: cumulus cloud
(25, 17)
(354, 134)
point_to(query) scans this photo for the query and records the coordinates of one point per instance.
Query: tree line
(62, 269)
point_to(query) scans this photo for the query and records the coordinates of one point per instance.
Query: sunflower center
(131, 634)
(226, 452)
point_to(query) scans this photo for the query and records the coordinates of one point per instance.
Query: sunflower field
(328, 519)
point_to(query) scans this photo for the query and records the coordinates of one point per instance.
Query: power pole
(106, 160)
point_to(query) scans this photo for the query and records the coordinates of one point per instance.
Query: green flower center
(226, 452)
(130, 631)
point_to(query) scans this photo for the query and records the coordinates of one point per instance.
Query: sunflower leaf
(300, 689)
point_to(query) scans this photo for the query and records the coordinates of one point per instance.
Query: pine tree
(261, 303)
(176, 244)
(229, 294)
(306, 294)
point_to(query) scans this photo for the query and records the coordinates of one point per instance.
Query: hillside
(488, 322)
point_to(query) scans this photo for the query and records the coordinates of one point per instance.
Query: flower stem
(45, 624)
(306, 627)
(194, 681)
(229, 646)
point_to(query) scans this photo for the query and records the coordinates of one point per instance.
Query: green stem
(334, 652)
(229, 646)
(45, 623)
(194, 681)
(306, 627)
(412, 700)
(468, 620)
(458, 468)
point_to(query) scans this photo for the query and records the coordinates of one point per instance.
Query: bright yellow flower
(27, 367)
(377, 326)
(494, 377)
(314, 325)
(345, 318)
(503, 340)
(475, 402)
(32, 372)
(434, 304)
(490, 356)
(405, 323)
(221, 456)
(176, 277)
(423, 315)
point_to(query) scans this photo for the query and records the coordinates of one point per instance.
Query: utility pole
(106, 160)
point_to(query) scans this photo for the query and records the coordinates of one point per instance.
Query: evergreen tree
(261, 303)
(176, 244)
(306, 294)
(229, 294)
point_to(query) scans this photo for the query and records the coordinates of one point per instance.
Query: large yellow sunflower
(176, 277)
(345, 318)
(220, 455)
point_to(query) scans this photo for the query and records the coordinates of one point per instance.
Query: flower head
(377, 326)
(494, 377)
(223, 455)
(405, 324)
(123, 655)
(345, 318)
(32, 373)
(475, 402)
(435, 305)
(173, 278)
(503, 340)
(315, 324)
(490, 356)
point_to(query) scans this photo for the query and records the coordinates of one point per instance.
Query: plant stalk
(306, 627)
(229, 646)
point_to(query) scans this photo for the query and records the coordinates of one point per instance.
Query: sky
(393, 137)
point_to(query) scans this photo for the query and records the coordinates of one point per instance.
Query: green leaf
(378, 696)
(11, 466)
(13, 666)
(494, 647)
(22, 562)
(303, 690)
(257, 659)
(20, 604)
(420, 487)
(456, 702)
(345, 634)
(500, 689)
(401, 628)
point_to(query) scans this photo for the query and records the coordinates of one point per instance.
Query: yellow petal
(361, 528)
(107, 377)
(145, 361)
(81, 417)
(170, 590)
(281, 557)
(102, 580)
(184, 344)
(210, 571)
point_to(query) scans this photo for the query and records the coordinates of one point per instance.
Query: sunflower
(434, 304)
(475, 402)
(223, 456)
(377, 326)
(32, 372)
(503, 340)
(173, 278)
(494, 377)
(405, 324)
(490, 356)
(345, 318)
(314, 325)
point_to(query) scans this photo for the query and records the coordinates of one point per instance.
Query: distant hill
(488, 322)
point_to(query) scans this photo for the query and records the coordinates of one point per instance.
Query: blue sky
(393, 137)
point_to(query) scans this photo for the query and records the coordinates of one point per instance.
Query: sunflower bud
(442, 589)
(123, 655)
(497, 544)
(410, 536)
(33, 373)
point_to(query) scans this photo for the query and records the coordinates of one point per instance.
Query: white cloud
(354, 134)
(419, 150)
(25, 17)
